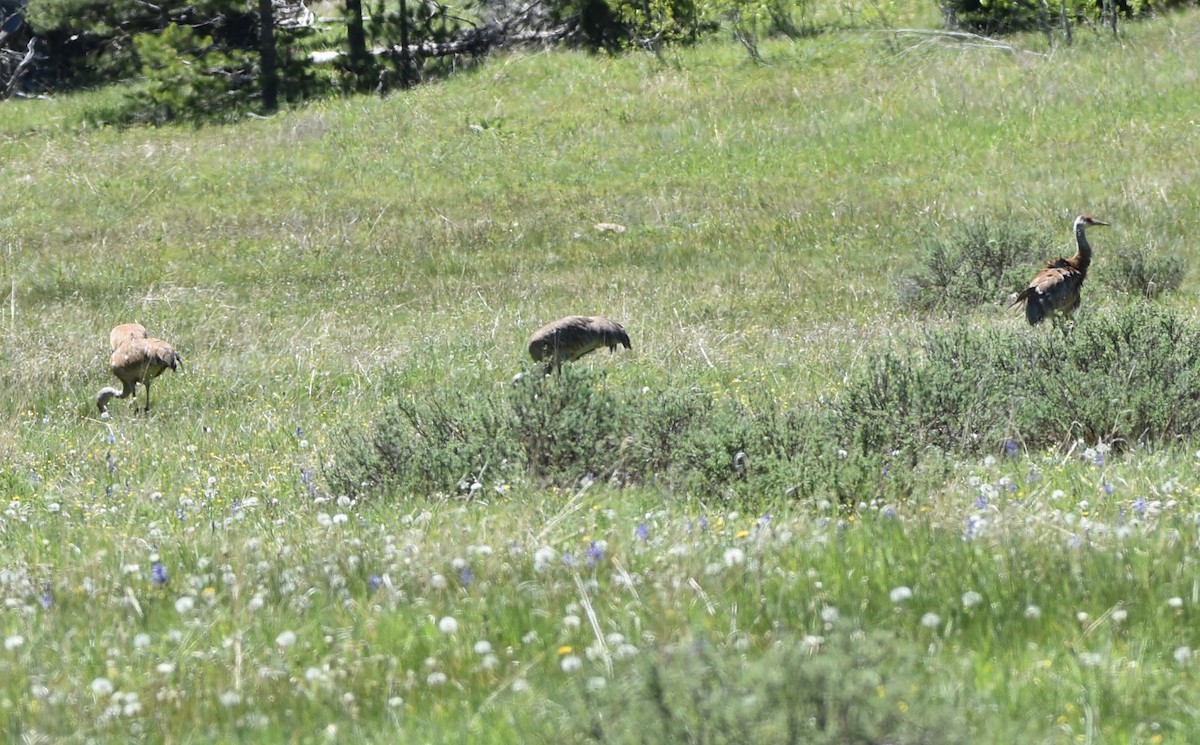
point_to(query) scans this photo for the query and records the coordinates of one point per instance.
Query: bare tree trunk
(407, 79)
(270, 72)
(356, 40)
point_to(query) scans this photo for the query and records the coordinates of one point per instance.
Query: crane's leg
(146, 385)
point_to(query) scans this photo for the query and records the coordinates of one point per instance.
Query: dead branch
(21, 69)
(962, 38)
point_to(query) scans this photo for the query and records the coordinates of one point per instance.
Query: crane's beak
(1097, 222)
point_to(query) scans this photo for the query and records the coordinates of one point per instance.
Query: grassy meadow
(190, 575)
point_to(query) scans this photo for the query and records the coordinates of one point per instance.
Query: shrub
(844, 688)
(981, 262)
(563, 428)
(1007, 16)
(1133, 375)
(1141, 271)
(569, 426)
(186, 78)
(89, 41)
(429, 444)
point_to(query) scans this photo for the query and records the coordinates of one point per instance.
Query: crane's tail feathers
(1034, 312)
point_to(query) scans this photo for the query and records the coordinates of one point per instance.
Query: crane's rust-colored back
(124, 332)
(570, 338)
(1056, 289)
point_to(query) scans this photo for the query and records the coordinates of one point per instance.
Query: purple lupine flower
(466, 576)
(568, 558)
(595, 554)
(1139, 506)
(158, 573)
(46, 598)
(374, 581)
(643, 532)
(1108, 488)
(1011, 448)
(981, 502)
(969, 529)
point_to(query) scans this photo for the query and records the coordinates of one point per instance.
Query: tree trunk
(270, 73)
(406, 77)
(356, 39)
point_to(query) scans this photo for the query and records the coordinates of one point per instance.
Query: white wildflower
(448, 625)
(285, 639)
(900, 594)
(542, 558)
(970, 599)
(570, 663)
(931, 620)
(102, 687)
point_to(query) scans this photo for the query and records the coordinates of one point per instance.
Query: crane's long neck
(106, 394)
(1083, 253)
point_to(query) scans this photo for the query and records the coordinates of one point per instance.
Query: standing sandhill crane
(574, 336)
(124, 332)
(1056, 288)
(135, 359)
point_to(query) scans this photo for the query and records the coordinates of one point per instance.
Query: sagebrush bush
(847, 687)
(1141, 271)
(560, 429)
(1133, 375)
(983, 261)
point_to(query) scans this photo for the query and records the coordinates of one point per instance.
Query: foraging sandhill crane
(124, 332)
(136, 358)
(1055, 289)
(574, 336)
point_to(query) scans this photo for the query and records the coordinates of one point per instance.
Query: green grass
(315, 266)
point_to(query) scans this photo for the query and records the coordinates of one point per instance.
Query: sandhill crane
(574, 336)
(135, 359)
(124, 332)
(1056, 288)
